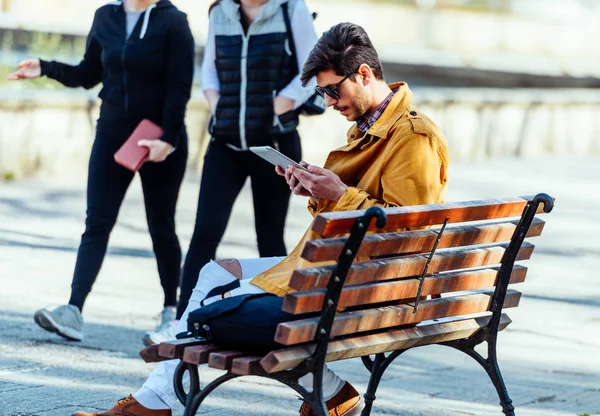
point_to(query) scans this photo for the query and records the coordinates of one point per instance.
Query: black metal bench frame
(378, 365)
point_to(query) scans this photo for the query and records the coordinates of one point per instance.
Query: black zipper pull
(208, 335)
(196, 330)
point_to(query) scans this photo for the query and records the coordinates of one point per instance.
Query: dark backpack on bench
(244, 322)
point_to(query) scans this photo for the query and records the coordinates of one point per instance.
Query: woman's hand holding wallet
(159, 150)
(142, 145)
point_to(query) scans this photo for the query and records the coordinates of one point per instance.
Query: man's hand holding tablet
(304, 179)
(293, 181)
(316, 182)
(274, 156)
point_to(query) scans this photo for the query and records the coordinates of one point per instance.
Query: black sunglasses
(333, 90)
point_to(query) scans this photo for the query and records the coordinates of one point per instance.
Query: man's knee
(233, 266)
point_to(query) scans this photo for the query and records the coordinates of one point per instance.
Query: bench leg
(178, 381)
(195, 400)
(507, 407)
(377, 367)
(314, 398)
(490, 365)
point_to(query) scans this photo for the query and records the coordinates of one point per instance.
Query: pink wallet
(131, 155)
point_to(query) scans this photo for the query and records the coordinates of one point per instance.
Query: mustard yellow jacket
(402, 160)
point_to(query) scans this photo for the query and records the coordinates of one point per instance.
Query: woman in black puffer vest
(250, 80)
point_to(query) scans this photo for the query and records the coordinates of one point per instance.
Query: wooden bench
(404, 295)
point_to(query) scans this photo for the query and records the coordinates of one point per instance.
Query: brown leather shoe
(347, 402)
(128, 407)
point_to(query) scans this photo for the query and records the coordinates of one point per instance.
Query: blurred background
(501, 77)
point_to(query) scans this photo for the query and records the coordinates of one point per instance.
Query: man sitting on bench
(394, 156)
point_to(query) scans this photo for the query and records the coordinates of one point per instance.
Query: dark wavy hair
(343, 48)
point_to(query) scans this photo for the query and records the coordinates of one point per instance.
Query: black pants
(107, 184)
(223, 176)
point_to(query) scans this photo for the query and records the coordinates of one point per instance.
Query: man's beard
(360, 105)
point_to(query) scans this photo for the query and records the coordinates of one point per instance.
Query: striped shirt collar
(365, 123)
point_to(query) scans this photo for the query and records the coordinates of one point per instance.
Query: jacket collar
(268, 10)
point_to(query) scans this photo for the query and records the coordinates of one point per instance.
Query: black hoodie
(148, 75)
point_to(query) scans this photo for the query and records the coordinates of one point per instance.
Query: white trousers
(213, 275)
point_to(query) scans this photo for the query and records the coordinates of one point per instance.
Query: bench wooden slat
(406, 266)
(369, 293)
(175, 348)
(150, 354)
(304, 330)
(335, 223)
(375, 245)
(223, 359)
(198, 354)
(422, 334)
(247, 366)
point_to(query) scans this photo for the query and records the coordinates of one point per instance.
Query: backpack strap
(221, 290)
(288, 27)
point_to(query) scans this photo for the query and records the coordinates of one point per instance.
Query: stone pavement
(550, 355)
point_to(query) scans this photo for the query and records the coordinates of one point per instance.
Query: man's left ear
(366, 73)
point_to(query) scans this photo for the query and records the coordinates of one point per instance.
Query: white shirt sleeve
(305, 38)
(209, 79)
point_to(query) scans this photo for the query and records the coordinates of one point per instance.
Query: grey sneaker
(64, 320)
(165, 331)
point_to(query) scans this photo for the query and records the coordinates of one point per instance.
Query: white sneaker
(165, 331)
(64, 320)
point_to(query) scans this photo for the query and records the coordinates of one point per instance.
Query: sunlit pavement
(549, 354)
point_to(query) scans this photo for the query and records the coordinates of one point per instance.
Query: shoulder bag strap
(288, 26)
(220, 290)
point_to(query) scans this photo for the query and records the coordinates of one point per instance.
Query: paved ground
(550, 355)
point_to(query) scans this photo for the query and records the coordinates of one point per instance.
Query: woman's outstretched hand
(29, 69)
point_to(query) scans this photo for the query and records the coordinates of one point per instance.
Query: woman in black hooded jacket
(142, 51)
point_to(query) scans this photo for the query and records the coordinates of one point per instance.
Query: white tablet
(275, 157)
